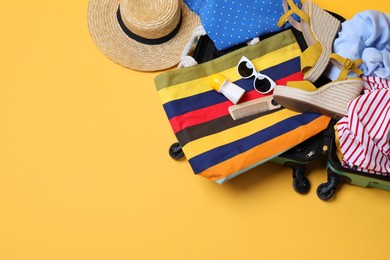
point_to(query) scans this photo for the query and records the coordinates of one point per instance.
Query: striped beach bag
(218, 147)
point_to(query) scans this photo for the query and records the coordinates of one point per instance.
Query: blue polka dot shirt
(229, 23)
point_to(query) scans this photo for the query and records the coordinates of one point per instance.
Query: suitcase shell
(338, 175)
(299, 159)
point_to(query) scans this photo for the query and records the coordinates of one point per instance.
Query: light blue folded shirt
(365, 36)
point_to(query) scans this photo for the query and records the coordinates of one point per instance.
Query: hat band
(144, 40)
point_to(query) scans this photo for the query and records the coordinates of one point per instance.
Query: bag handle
(188, 61)
(185, 59)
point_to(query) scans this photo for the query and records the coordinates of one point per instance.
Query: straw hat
(139, 34)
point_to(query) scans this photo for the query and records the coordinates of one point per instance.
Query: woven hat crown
(150, 19)
(141, 34)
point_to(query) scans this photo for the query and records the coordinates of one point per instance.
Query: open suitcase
(301, 156)
(338, 175)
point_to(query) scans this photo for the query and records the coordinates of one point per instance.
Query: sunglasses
(262, 83)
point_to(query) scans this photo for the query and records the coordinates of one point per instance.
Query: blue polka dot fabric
(229, 23)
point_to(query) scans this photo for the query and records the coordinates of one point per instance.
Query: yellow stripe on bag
(264, 151)
(197, 86)
(229, 135)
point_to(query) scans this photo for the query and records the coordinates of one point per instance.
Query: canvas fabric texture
(216, 146)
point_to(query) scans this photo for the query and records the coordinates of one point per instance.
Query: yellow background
(85, 172)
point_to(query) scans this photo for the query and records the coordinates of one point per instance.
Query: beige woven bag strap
(186, 60)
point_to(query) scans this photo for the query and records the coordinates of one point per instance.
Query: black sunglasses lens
(262, 85)
(245, 69)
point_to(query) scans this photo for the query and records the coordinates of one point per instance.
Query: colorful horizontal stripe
(220, 124)
(206, 113)
(273, 122)
(232, 148)
(266, 150)
(193, 80)
(286, 71)
(283, 46)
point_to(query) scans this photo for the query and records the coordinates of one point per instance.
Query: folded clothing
(364, 133)
(229, 23)
(365, 36)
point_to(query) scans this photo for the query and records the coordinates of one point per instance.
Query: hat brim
(115, 44)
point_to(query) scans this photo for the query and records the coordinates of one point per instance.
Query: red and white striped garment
(374, 83)
(364, 133)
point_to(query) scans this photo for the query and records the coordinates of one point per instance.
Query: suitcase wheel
(300, 182)
(176, 152)
(326, 191)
